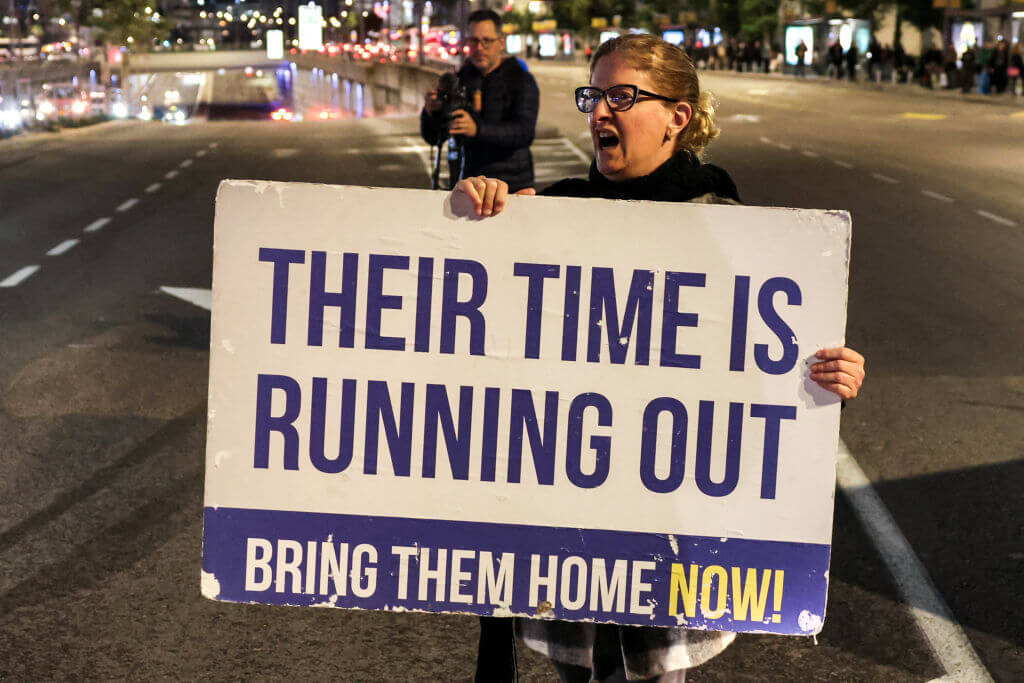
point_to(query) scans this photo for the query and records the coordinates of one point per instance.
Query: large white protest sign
(578, 409)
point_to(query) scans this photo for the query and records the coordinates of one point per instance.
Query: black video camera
(452, 96)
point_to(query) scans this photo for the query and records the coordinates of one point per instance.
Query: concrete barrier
(390, 87)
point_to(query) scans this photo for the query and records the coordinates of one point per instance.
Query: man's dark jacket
(505, 124)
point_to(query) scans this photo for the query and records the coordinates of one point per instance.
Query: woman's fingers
(469, 187)
(527, 191)
(839, 370)
(489, 195)
(494, 196)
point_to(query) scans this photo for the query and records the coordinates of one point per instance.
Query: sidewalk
(1005, 100)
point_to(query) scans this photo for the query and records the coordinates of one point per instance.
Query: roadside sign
(579, 409)
(275, 44)
(310, 27)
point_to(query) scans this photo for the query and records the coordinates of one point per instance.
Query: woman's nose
(601, 111)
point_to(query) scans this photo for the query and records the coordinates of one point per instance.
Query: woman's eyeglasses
(618, 97)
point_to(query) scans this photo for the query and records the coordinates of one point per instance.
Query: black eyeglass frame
(482, 42)
(637, 91)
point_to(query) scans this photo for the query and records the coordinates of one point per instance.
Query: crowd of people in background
(993, 68)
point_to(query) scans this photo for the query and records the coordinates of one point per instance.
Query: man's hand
(462, 124)
(431, 102)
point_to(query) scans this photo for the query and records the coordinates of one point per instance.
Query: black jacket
(683, 178)
(505, 124)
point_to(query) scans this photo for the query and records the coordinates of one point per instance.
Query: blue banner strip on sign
(356, 561)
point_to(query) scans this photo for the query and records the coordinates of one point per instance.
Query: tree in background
(136, 24)
(759, 19)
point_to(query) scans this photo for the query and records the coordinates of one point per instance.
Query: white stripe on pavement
(424, 156)
(808, 153)
(170, 174)
(62, 247)
(201, 153)
(127, 204)
(947, 640)
(784, 146)
(18, 276)
(96, 225)
(998, 219)
(185, 164)
(213, 145)
(937, 196)
(885, 179)
(153, 188)
(203, 298)
(840, 162)
(576, 150)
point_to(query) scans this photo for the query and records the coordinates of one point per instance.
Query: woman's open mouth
(606, 140)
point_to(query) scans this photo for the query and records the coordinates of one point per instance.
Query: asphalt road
(103, 383)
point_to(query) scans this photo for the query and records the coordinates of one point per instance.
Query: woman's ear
(681, 115)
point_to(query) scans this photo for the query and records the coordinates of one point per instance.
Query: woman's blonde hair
(673, 75)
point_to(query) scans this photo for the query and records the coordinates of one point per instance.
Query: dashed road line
(575, 150)
(946, 639)
(423, 154)
(885, 179)
(185, 164)
(809, 153)
(18, 276)
(997, 219)
(924, 117)
(153, 188)
(213, 145)
(936, 196)
(96, 224)
(842, 164)
(127, 204)
(171, 175)
(201, 153)
(62, 247)
(783, 146)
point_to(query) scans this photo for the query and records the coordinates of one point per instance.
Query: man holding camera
(493, 110)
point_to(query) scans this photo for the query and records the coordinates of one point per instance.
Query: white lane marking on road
(885, 179)
(937, 196)
(809, 153)
(842, 164)
(201, 153)
(423, 154)
(410, 148)
(214, 145)
(947, 640)
(62, 247)
(783, 146)
(285, 153)
(153, 188)
(203, 298)
(185, 164)
(575, 150)
(18, 276)
(127, 204)
(767, 141)
(170, 175)
(96, 224)
(998, 219)
(744, 118)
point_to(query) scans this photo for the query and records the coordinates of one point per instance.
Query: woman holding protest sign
(649, 124)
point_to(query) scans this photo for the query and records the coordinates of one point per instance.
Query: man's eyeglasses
(618, 97)
(481, 42)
